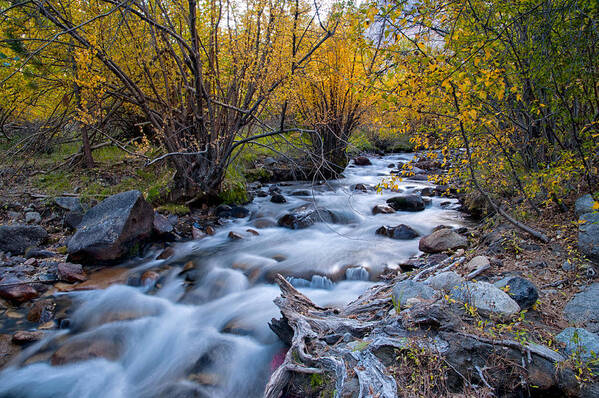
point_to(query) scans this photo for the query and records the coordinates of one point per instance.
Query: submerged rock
(16, 238)
(382, 209)
(409, 202)
(112, 228)
(401, 232)
(305, 217)
(362, 161)
(278, 198)
(16, 290)
(441, 240)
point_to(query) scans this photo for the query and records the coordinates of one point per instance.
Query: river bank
(192, 318)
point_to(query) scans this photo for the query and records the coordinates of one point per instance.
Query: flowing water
(204, 332)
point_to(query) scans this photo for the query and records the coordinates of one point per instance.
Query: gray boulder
(444, 281)
(521, 290)
(584, 205)
(33, 217)
(441, 240)
(410, 202)
(306, 216)
(486, 298)
(583, 309)
(588, 236)
(69, 203)
(579, 341)
(109, 230)
(16, 238)
(407, 289)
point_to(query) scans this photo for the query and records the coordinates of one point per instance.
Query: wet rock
(42, 311)
(222, 211)
(23, 337)
(580, 342)
(304, 217)
(401, 232)
(14, 290)
(69, 203)
(359, 187)
(583, 309)
(261, 194)
(239, 212)
(445, 281)
(110, 230)
(382, 209)
(33, 217)
(72, 219)
(161, 224)
(441, 240)
(521, 290)
(149, 278)
(588, 236)
(476, 263)
(486, 298)
(262, 223)
(418, 177)
(278, 198)
(77, 350)
(301, 192)
(210, 230)
(166, 253)
(197, 234)
(16, 238)
(568, 266)
(234, 236)
(70, 272)
(409, 289)
(391, 165)
(409, 202)
(584, 205)
(253, 232)
(362, 161)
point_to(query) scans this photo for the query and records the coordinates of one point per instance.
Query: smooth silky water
(211, 337)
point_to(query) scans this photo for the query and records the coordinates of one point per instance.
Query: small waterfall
(357, 274)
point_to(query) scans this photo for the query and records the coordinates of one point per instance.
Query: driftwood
(344, 345)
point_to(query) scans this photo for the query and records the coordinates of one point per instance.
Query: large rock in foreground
(583, 309)
(17, 238)
(441, 240)
(111, 229)
(588, 236)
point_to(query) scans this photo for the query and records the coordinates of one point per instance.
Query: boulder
(579, 341)
(69, 203)
(588, 236)
(521, 290)
(401, 232)
(584, 205)
(239, 212)
(409, 289)
(359, 187)
(441, 240)
(72, 219)
(486, 298)
(278, 198)
(110, 229)
(301, 192)
(33, 217)
(23, 337)
(410, 202)
(362, 161)
(445, 281)
(583, 308)
(382, 209)
(16, 238)
(14, 290)
(70, 272)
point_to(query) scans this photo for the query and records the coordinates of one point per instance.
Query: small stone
(42, 311)
(33, 217)
(444, 281)
(406, 289)
(70, 272)
(235, 236)
(477, 263)
(149, 278)
(69, 203)
(252, 231)
(382, 209)
(196, 234)
(26, 337)
(210, 230)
